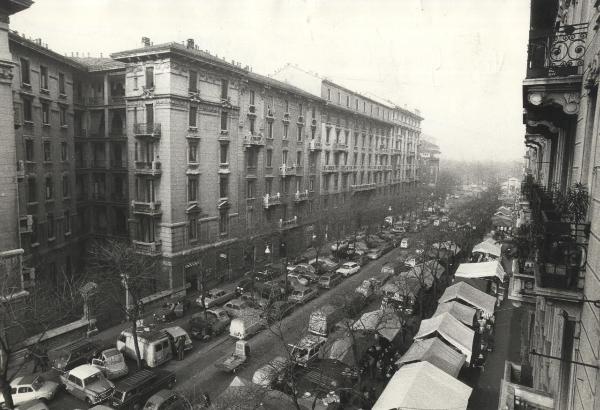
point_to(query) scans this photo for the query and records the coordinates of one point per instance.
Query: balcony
(287, 170)
(98, 163)
(146, 208)
(151, 130)
(301, 196)
(329, 168)
(254, 140)
(96, 100)
(315, 145)
(224, 168)
(147, 168)
(339, 146)
(252, 110)
(363, 187)
(20, 170)
(147, 248)
(288, 223)
(117, 100)
(557, 54)
(348, 168)
(271, 200)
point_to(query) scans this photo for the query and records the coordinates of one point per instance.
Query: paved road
(197, 371)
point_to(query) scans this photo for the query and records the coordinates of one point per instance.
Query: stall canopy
(384, 322)
(449, 245)
(492, 269)
(241, 394)
(465, 314)
(449, 329)
(424, 272)
(435, 352)
(344, 348)
(467, 294)
(489, 246)
(423, 386)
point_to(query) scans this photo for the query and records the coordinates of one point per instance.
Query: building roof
(492, 269)
(471, 296)
(463, 313)
(427, 146)
(38, 47)
(451, 329)
(99, 63)
(435, 352)
(423, 386)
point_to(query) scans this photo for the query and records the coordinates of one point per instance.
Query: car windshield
(38, 382)
(119, 395)
(92, 379)
(114, 359)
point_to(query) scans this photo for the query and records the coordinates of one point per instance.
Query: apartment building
(429, 162)
(560, 93)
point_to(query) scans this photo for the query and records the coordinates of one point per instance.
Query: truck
(308, 349)
(246, 326)
(322, 320)
(155, 346)
(87, 383)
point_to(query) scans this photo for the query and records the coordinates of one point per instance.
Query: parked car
(87, 383)
(204, 326)
(266, 375)
(295, 277)
(216, 297)
(329, 280)
(136, 389)
(235, 307)
(244, 285)
(323, 265)
(404, 243)
(278, 310)
(270, 272)
(375, 254)
(73, 354)
(31, 387)
(303, 294)
(336, 246)
(348, 269)
(172, 310)
(112, 363)
(166, 399)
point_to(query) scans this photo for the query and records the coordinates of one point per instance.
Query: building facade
(429, 162)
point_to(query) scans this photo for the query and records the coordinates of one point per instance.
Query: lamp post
(314, 240)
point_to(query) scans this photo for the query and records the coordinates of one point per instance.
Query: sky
(460, 62)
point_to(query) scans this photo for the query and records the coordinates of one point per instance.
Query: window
(327, 133)
(224, 120)
(250, 189)
(224, 89)
(299, 133)
(65, 186)
(284, 157)
(285, 187)
(31, 190)
(339, 98)
(300, 109)
(27, 110)
(329, 94)
(356, 104)
(29, 152)
(252, 97)
(269, 158)
(223, 222)
(364, 106)
(299, 158)
(192, 228)
(192, 188)
(327, 158)
(268, 186)
(50, 225)
(223, 159)
(193, 84)
(67, 222)
(347, 101)
(44, 78)
(193, 116)
(251, 126)
(285, 131)
(270, 130)
(45, 113)
(193, 152)
(223, 186)
(61, 83)
(63, 116)
(47, 151)
(311, 183)
(149, 77)
(25, 74)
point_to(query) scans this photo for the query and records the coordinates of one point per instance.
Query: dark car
(278, 310)
(133, 391)
(167, 400)
(270, 272)
(244, 285)
(172, 310)
(73, 354)
(205, 327)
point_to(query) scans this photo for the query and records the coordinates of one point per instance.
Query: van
(133, 391)
(392, 268)
(404, 243)
(321, 320)
(155, 346)
(329, 280)
(73, 354)
(266, 375)
(246, 326)
(307, 349)
(176, 331)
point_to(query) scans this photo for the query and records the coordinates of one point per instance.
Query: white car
(348, 268)
(303, 294)
(236, 307)
(216, 297)
(31, 387)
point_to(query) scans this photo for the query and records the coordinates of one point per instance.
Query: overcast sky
(461, 62)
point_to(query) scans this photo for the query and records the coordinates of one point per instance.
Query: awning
(384, 322)
(435, 352)
(423, 386)
(463, 292)
(451, 246)
(465, 314)
(451, 330)
(489, 246)
(425, 272)
(492, 269)
(342, 349)
(254, 396)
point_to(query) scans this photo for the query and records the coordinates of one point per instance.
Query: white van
(404, 243)
(155, 346)
(177, 331)
(246, 326)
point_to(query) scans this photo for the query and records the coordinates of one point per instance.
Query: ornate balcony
(301, 196)
(147, 168)
(329, 168)
(363, 187)
(339, 146)
(315, 145)
(288, 223)
(271, 200)
(151, 130)
(146, 208)
(254, 140)
(287, 170)
(148, 248)
(347, 168)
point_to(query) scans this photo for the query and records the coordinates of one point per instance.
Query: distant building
(429, 161)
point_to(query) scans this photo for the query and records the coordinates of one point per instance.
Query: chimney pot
(190, 43)
(146, 41)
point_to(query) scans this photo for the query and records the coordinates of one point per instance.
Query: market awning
(489, 246)
(435, 352)
(241, 394)
(451, 330)
(424, 272)
(463, 292)
(463, 313)
(423, 386)
(384, 322)
(451, 246)
(492, 269)
(344, 348)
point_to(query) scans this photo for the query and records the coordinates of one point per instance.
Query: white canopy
(453, 331)
(424, 272)
(435, 352)
(384, 322)
(449, 245)
(463, 313)
(491, 269)
(471, 296)
(489, 246)
(423, 386)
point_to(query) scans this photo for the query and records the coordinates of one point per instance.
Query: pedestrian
(206, 399)
(44, 361)
(36, 359)
(180, 346)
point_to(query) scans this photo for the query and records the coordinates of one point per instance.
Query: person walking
(180, 347)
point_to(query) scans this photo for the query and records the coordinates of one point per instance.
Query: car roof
(216, 310)
(84, 371)
(162, 395)
(111, 352)
(134, 380)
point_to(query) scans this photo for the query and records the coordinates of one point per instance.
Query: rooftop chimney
(146, 41)
(38, 41)
(190, 43)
